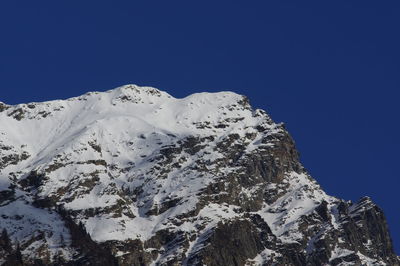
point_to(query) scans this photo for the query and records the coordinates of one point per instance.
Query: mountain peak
(137, 176)
(133, 92)
(138, 89)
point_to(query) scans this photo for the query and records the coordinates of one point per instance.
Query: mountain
(134, 176)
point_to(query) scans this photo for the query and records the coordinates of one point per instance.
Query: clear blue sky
(328, 69)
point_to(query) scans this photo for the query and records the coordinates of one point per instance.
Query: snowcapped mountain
(134, 176)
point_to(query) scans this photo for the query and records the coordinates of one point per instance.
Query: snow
(303, 196)
(130, 124)
(94, 146)
(25, 223)
(341, 252)
(368, 261)
(95, 113)
(262, 258)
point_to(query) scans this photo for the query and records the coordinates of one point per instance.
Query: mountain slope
(133, 176)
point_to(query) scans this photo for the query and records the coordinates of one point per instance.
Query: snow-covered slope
(151, 179)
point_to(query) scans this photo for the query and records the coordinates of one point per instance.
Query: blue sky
(328, 69)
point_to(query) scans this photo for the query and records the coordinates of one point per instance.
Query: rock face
(133, 176)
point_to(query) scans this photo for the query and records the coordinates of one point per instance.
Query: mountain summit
(134, 176)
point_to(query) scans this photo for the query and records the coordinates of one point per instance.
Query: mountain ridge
(165, 181)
